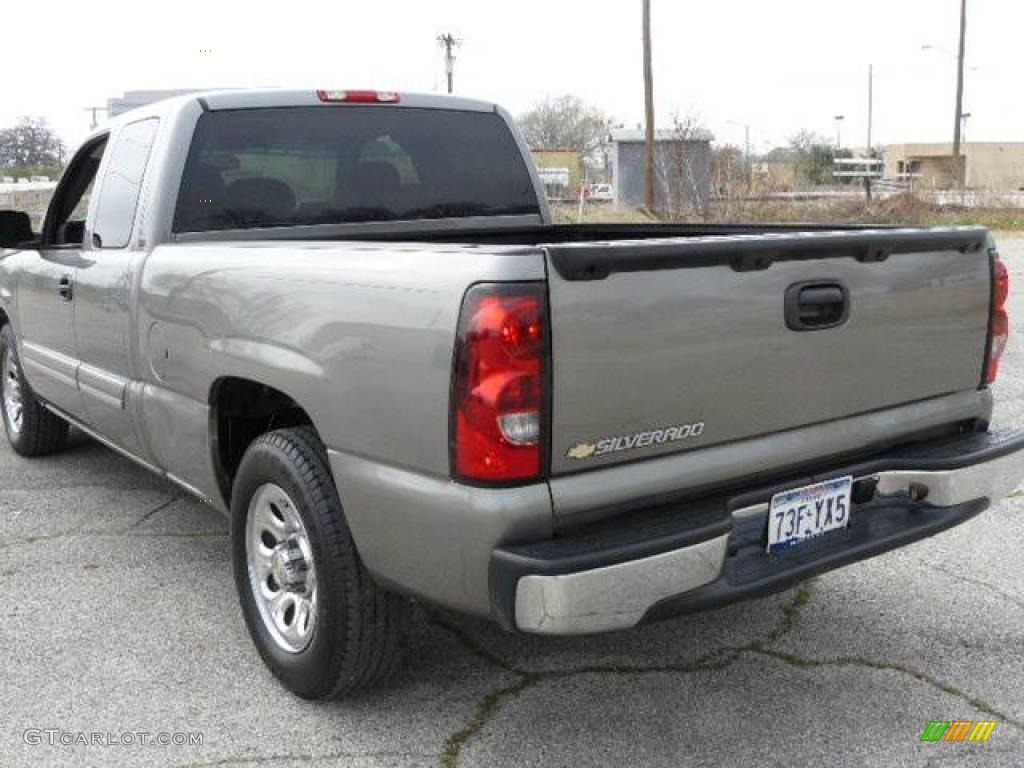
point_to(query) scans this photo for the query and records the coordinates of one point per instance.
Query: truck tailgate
(667, 346)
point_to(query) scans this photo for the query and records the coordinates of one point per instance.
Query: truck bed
(670, 338)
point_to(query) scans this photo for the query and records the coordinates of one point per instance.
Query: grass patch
(599, 213)
(490, 704)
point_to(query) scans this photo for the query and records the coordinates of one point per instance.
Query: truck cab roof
(264, 98)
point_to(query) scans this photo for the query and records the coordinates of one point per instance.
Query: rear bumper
(687, 556)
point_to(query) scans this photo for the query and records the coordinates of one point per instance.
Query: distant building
(682, 169)
(560, 170)
(135, 99)
(996, 166)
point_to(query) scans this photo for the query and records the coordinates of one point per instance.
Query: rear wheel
(31, 429)
(319, 621)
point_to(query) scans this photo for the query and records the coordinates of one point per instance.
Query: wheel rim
(14, 406)
(281, 569)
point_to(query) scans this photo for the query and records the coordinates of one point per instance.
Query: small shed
(682, 169)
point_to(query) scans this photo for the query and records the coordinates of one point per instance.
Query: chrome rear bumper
(992, 480)
(915, 495)
(616, 596)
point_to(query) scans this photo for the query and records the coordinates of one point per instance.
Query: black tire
(359, 628)
(42, 432)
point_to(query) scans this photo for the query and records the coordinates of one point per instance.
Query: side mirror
(15, 228)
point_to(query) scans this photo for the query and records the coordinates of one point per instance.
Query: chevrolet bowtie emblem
(581, 451)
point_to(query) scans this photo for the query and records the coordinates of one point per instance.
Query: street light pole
(958, 170)
(748, 168)
(746, 150)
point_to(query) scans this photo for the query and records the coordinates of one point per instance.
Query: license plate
(803, 513)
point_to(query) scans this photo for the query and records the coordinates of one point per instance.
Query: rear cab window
(122, 183)
(300, 166)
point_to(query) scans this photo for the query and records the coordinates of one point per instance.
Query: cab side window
(65, 219)
(122, 184)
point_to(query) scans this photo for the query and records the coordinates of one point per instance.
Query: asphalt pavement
(119, 618)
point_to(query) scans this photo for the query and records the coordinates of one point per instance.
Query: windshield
(314, 165)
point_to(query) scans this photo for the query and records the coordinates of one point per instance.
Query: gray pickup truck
(346, 320)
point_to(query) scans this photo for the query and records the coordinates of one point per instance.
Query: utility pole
(871, 118)
(748, 165)
(94, 110)
(449, 43)
(649, 197)
(871, 103)
(958, 169)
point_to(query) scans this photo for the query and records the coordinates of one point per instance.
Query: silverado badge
(608, 445)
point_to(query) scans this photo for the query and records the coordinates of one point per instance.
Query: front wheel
(31, 429)
(321, 624)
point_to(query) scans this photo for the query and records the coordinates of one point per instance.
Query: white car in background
(600, 193)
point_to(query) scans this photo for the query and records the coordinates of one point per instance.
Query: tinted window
(324, 165)
(119, 196)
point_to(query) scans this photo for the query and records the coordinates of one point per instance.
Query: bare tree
(566, 122)
(683, 167)
(729, 171)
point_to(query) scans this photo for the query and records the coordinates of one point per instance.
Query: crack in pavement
(122, 533)
(789, 614)
(999, 591)
(157, 509)
(715, 661)
(130, 530)
(90, 486)
(857, 661)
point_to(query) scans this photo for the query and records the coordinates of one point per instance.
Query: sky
(778, 66)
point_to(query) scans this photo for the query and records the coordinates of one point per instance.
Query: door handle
(65, 289)
(817, 305)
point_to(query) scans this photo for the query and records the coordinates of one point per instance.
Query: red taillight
(498, 389)
(999, 321)
(359, 97)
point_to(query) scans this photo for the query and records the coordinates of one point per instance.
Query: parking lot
(120, 616)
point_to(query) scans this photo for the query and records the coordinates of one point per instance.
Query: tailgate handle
(817, 305)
